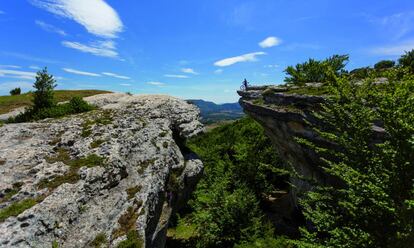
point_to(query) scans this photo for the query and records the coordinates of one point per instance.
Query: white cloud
(125, 84)
(35, 67)
(271, 66)
(50, 28)
(270, 42)
(110, 74)
(238, 59)
(156, 83)
(394, 50)
(101, 48)
(175, 76)
(29, 57)
(189, 71)
(10, 66)
(6, 86)
(83, 73)
(17, 74)
(95, 15)
(218, 71)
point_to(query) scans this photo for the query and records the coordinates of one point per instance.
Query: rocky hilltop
(93, 178)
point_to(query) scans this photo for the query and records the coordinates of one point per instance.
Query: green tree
(15, 91)
(384, 64)
(375, 208)
(313, 70)
(407, 60)
(43, 96)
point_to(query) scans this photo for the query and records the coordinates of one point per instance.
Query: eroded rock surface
(100, 174)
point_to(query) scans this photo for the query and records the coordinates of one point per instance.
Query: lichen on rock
(87, 172)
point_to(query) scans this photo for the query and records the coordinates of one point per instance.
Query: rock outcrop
(92, 178)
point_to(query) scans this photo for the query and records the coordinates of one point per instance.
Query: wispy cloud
(101, 48)
(394, 50)
(30, 58)
(156, 83)
(10, 66)
(396, 25)
(189, 71)
(271, 66)
(17, 74)
(34, 67)
(50, 28)
(270, 42)
(96, 16)
(83, 73)
(110, 74)
(175, 76)
(126, 85)
(218, 71)
(249, 57)
(6, 86)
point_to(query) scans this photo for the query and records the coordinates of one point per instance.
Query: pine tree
(44, 85)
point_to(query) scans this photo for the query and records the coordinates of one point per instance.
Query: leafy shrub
(132, 241)
(407, 60)
(316, 71)
(78, 105)
(15, 91)
(375, 208)
(384, 64)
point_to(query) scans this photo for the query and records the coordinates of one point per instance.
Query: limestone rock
(109, 171)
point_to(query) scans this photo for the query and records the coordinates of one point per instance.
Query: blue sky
(191, 48)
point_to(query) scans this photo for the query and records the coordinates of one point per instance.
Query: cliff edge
(95, 177)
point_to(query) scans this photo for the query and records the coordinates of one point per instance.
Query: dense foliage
(15, 92)
(407, 60)
(240, 166)
(314, 71)
(375, 208)
(44, 104)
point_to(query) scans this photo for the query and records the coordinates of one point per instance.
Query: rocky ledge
(92, 178)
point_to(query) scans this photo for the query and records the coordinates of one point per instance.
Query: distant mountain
(211, 112)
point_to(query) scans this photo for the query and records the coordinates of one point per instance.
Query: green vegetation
(15, 92)
(375, 207)
(99, 241)
(314, 71)
(407, 61)
(127, 221)
(97, 143)
(8, 103)
(71, 176)
(103, 118)
(17, 208)
(132, 191)
(384, 64)
(132, 241)
(11, 192)
(240, 166)
(44, 104)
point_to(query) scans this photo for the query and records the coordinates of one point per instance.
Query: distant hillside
(9, 103)
(211, 112)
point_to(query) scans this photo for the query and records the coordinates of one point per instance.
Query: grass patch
(132, 191)
(104, 118)
(8, 103)
(132, 241)
(97, 143)
(127, 220)
(71, 176)
(10, 193)
(18, 207)
(99, 240)
(312, 91)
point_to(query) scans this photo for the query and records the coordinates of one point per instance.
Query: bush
(407, 60)
(316, 71)
(384, 64)
(75, 105)
(15, 91)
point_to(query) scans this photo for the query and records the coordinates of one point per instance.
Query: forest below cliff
(372, 207)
